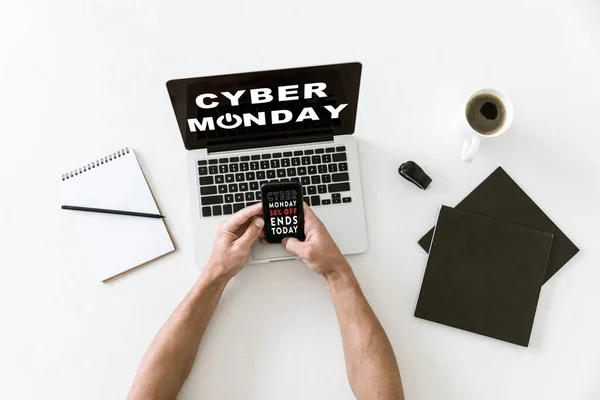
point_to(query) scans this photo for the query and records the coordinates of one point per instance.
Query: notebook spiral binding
(94, 164)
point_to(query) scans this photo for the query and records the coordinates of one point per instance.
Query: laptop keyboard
(228, 184)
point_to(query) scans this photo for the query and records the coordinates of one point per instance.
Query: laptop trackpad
(265, 251)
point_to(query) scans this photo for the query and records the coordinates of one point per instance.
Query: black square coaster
(499, 196)
(484, 276)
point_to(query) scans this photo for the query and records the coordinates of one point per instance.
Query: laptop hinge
(252, 144)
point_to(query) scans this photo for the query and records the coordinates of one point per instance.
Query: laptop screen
(292, 104)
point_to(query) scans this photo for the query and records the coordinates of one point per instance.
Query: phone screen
(283, 211)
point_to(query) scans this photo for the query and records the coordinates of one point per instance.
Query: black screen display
(283, 211)
(268, 105)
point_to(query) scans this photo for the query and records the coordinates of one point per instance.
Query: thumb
(252, 233)
(292, 245)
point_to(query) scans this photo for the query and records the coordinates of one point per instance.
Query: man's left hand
(234, 241)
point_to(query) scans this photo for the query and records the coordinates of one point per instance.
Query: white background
(81, 78)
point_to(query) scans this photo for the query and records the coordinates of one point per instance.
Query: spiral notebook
(113, 244)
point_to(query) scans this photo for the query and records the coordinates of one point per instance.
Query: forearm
(370, 362)
(171, 355)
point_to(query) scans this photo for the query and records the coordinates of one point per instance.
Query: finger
(263, 241)
(292, 245)
(309, 215)
(241, 217)
(252, 233)
(311, 221)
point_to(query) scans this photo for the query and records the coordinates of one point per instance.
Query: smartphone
(283, 211)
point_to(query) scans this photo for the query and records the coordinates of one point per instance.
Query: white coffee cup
(473, 139)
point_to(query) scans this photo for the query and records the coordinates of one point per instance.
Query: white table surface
(80, 78)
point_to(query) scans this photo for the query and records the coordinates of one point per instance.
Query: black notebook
(484, 275)
(500, 197)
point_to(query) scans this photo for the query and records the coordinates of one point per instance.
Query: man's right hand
(319, 250)
(370, 362)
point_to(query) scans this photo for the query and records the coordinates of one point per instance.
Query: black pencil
(104, 211)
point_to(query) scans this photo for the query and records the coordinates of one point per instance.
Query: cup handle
(470, 148)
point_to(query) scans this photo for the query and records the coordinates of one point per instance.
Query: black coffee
(486, 113)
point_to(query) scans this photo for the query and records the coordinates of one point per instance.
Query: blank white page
(113, 243)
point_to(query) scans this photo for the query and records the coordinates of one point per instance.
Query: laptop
(244, 130)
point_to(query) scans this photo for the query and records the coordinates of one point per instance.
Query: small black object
(415, 174)
(283, 211)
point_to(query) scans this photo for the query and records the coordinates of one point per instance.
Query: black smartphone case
(283, 211)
